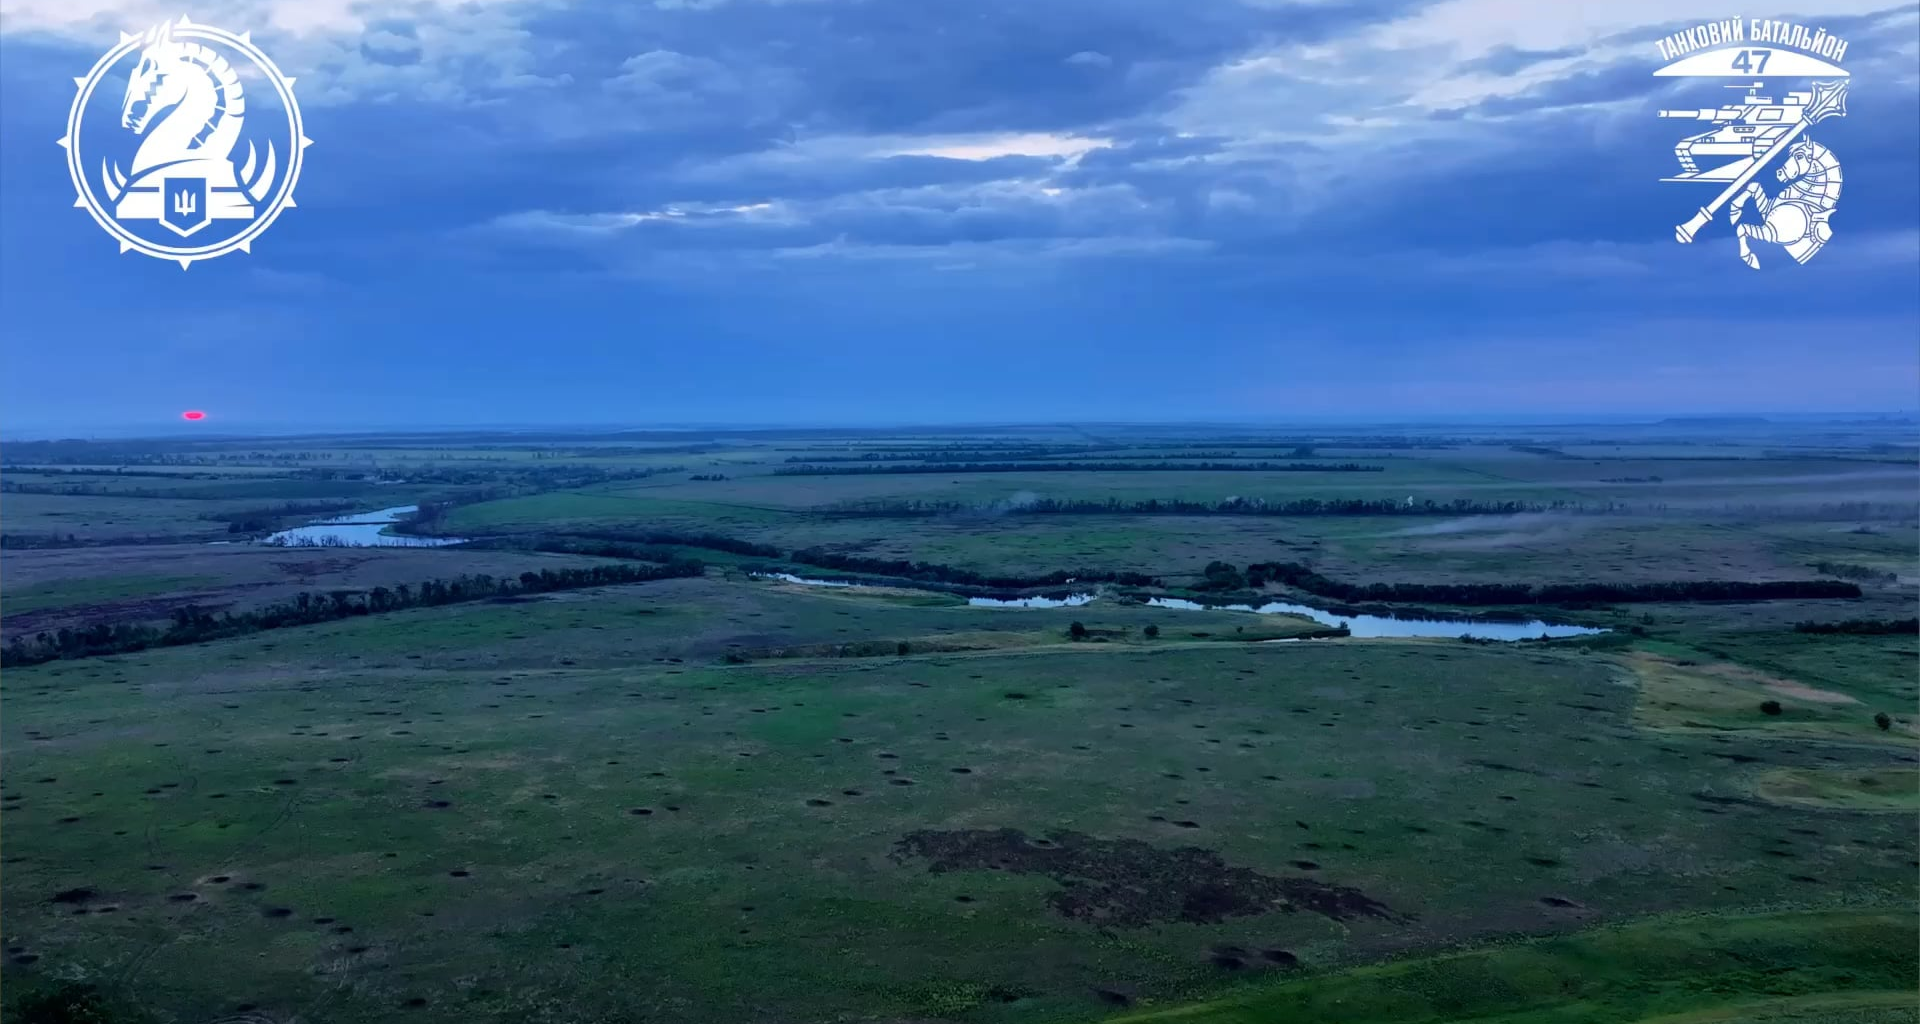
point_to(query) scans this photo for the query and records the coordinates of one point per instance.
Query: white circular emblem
(203, 152)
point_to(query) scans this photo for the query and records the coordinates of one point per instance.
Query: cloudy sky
(553, 211)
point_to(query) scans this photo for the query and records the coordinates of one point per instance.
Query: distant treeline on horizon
(816, 469)
(908, 507)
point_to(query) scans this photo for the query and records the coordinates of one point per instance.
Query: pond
(360, 530)
(1358, 625)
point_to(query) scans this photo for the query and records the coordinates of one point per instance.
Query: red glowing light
(193, 414)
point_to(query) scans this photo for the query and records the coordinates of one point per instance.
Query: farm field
(717, 795)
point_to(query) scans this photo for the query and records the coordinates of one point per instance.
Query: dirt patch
(1126, 883)
(1808, 693)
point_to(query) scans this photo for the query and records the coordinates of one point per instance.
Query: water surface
(359, 530)
(1357, 625)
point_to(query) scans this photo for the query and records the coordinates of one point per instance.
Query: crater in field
(1126, 883)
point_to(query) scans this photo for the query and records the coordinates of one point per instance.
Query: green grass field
(727, 836)
(733, 799)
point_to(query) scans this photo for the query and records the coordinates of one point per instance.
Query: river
(1357, 625)
(360, 530)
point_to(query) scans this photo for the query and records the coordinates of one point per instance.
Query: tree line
(36, 541)
(896, 508)
(931, 572)
(1862, 627)
(1301, 577)
(193, 624)
(1850, 571)
(260, 520)
(817, 469)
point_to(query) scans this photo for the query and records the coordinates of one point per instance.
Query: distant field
(94, 517)
(48, 589)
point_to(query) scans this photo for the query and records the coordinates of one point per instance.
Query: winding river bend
(1357, 625)
(360, 530)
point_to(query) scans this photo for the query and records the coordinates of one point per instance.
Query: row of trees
(931, 572)
(261, 520)
(897, 508)
(30, 541)
(1850, 571)
(1863, 627)
(1301, 577)
(193, 624)
(816, 469)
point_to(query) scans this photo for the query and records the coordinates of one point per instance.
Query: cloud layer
(1253, 176)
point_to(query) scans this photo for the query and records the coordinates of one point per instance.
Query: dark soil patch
(1543, 862)
(1112, 998)
(439, 804)
(899, 782)
(1227, 961)
(1555, 901)
(276, 912)
(1280, 956)
(1306, 865)
(817, 802)
(1126, 883)
(1498, 767)
(80, 895)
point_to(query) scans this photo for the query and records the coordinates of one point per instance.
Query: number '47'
(1752, 61)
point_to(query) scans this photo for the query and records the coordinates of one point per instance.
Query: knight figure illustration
(1796, 218)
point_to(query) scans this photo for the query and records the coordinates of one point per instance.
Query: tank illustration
(1744, 134)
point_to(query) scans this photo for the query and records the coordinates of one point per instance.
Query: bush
(1151, 631)
(1883, 720)
(901, 648)
(1077, 631)
(1221, 576)
(1769, 707)
(71, 1003)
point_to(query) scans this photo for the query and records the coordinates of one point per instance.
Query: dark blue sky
(897, 210)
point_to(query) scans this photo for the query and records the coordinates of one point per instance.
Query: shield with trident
(183, 204)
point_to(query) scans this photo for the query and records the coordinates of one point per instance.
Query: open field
(459, 817)
(729, 798)
(48, 589)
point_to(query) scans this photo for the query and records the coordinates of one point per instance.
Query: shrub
(71, 1003)
(901, 648)
(1883, 720)
(1151, 631)
(1077, 631)
(1769, 707)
